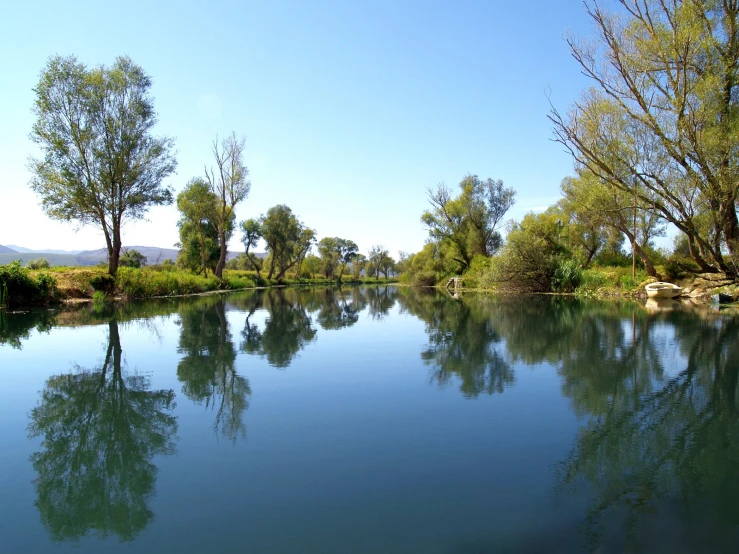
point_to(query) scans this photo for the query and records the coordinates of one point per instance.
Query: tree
(251, 233)
(661, 122)
(228, 181)
(199, 246)
(336, 254)
(312, 265)
(469, 222)
(599, 203)
(358, 264)
(287, 241)
(387, 265)
(377, 259)
(132, 258)
(101, 165)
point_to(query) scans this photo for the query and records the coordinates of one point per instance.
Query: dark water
(369, 420)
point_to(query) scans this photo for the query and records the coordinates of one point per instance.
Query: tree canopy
(100, 163)
(660, 122)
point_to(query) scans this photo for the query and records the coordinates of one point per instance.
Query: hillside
(6, 250)
(54, 259)
(25, 250)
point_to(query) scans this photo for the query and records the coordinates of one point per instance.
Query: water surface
(377, 419)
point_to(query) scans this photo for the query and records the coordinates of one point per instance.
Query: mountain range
(154, 255)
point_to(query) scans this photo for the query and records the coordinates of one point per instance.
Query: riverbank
(68, 285)
(619, 282)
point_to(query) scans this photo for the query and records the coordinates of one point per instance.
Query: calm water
(369, 420)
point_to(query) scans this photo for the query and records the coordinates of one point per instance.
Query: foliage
(252, 232)
(148, 282)
(660, 123)
(532, 254)
(336, 253)
(468, 223)
(38, 263)
(199, 246)
(567, 276)
(22, 289)
(101, 165)
(229, 184)
(133, 258)
(288, 239)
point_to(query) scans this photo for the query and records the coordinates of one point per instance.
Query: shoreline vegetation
(69, 285)
(56, 286)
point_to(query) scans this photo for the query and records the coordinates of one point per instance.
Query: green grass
(607, 281)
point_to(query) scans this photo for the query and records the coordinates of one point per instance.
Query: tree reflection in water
(207, 368)
(658, 449)
(463, 343)
(101, 428)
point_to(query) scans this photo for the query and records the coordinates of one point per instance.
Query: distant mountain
(46, 251)
(154, 254)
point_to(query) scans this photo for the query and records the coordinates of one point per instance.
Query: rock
(715, 277)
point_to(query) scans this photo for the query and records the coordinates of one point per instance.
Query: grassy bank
(59, 284)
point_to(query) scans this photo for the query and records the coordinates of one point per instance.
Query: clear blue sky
(350, 109)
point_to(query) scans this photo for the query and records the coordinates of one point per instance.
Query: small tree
(133, 258)
(229, 183)
(199, 245)
(101, 165)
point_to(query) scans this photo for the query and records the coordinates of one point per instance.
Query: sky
(351, 110)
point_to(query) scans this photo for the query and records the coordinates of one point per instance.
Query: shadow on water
(100, 429)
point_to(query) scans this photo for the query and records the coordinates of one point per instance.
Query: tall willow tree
(661, 122)
(100, 164)
(228, 182)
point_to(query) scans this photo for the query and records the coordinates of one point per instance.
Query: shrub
(567, 276)
(38, 263)
(103, 282)
(424, 279)
(22, 289)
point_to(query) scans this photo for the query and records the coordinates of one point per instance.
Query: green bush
(38, 263)
(23, 289)
(424, 279)
(567, 276)
(103, 282)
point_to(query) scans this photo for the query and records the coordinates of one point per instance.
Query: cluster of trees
(654, 142)
(102, 165)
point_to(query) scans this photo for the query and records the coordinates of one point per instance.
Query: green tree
(251, 233)
(336, 254)
(199, 246)
(101, 165)
(469, 222)
(312, 265)
(378, 257)
(596, 202)
(101, 428)
(229, 183)
(287, 241)
(358, 264)
(132, 258)
(660, 123)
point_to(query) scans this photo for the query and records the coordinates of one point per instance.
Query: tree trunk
(114, 251)
(641, 253)
(222, 257)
